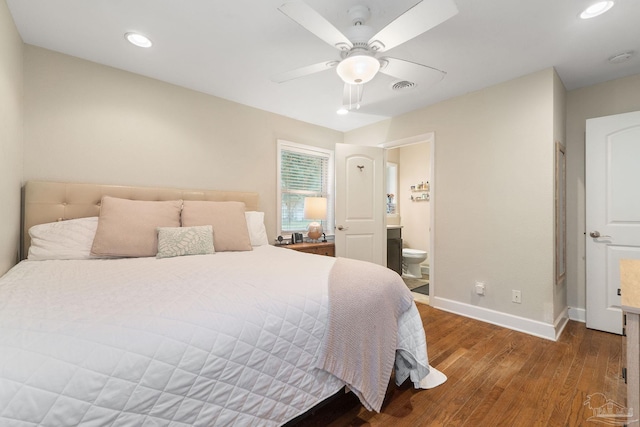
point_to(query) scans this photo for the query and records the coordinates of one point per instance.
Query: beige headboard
(53, 201)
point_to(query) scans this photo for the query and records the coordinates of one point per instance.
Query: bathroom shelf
(424, 197)
(422, 188)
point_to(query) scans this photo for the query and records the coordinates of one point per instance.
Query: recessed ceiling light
(596, 9)
(621, 57)
(138, 39)
(342, 111)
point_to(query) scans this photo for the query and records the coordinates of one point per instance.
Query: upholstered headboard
(54, 201)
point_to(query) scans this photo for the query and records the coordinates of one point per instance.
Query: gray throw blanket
(365, 302)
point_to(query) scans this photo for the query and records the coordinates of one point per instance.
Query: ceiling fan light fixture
(358, 69)
(138, 39)
(596, 9)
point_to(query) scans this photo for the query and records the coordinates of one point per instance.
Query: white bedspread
(224, 339)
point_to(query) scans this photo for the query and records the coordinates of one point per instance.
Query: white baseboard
(532, 327)
(578, 314)
(561, 322)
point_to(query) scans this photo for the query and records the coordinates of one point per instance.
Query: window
(303, 171)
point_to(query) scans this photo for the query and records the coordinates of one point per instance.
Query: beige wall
(88, 122)
(559, 135)
(604, 99)
(11, 137)
(493, 194)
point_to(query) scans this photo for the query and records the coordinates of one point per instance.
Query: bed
(207, 332)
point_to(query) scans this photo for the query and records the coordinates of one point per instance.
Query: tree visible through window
(304, 171)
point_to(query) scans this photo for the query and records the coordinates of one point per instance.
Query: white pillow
(257, 231)
(71, 239)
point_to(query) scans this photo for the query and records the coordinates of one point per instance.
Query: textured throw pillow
(178, 241)
(71, 239)
(257, 231)
(230, 232)
(127, 228)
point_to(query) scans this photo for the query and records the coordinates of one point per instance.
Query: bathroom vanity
(394, 248)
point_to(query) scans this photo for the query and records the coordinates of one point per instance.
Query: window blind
(304, 172)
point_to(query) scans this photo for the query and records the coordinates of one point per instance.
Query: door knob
(340, 227)
(596, 234)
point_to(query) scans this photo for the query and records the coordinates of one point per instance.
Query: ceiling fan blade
(352, 96)
(303, 71)
(417, 73)
(316, 24)
(415, 21)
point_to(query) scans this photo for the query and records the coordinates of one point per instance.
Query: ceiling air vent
(403, 85)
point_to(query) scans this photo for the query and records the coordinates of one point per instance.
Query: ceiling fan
(360, 45)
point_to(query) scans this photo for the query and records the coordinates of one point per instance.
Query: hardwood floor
(497, 377)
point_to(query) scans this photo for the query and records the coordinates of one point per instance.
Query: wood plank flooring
(497, 377)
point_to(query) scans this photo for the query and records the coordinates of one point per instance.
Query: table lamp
(315, 208)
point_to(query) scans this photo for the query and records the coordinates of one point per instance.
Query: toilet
(411, 259)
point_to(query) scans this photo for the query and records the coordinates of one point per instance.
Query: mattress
(228, 339)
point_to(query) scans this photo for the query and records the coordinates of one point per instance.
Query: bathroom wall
(415, 167)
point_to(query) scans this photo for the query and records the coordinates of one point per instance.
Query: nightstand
(319, 248)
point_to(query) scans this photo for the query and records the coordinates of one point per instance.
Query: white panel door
(360, 203)
(612, 213)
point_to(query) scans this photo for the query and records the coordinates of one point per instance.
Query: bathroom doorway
(410, 207)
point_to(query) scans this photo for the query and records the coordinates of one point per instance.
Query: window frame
(311, 150)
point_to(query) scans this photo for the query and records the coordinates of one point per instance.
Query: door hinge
(619, 293)
(624, 375)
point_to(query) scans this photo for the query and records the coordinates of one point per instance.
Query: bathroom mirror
(392, 188)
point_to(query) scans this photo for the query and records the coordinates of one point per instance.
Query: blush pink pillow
(230, 232)
(127, 228)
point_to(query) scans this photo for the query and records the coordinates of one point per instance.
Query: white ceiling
(230, 49)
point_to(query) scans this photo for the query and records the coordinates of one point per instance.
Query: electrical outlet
(480, 288)
(516, 297)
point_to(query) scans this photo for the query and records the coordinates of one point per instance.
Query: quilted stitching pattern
(410, 362)
(170, 342)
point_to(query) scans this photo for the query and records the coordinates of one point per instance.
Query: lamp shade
(358, 69)
(315, 208)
